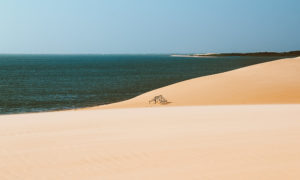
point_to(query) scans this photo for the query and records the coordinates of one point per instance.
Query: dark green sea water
(32, 83)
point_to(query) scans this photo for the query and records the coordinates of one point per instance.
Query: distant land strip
(290, 53)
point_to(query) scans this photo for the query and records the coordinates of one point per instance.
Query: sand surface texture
(207, 143)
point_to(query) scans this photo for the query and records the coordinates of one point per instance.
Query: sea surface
(33, 83)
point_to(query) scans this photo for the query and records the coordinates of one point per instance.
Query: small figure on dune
(159, 99)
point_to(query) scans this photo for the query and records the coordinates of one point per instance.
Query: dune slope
(276, 82)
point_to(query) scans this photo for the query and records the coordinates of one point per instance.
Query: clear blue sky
(148, 26)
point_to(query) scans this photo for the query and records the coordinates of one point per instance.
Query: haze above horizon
(148, 27)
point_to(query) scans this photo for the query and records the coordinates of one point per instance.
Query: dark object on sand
(159, 99)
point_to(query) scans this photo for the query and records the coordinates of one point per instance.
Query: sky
(148, 26)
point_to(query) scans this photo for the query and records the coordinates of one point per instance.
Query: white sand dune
(276, 82)
(208, 143)
(218, 142)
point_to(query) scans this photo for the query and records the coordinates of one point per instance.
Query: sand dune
(276, 82)
(228, 142)
(208, 143)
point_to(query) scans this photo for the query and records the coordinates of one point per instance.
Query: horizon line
(191, 53)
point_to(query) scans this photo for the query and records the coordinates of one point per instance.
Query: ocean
(34, 83)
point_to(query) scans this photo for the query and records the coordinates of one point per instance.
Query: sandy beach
(242, 124)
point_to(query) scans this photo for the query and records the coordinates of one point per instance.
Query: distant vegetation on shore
(290, 53)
